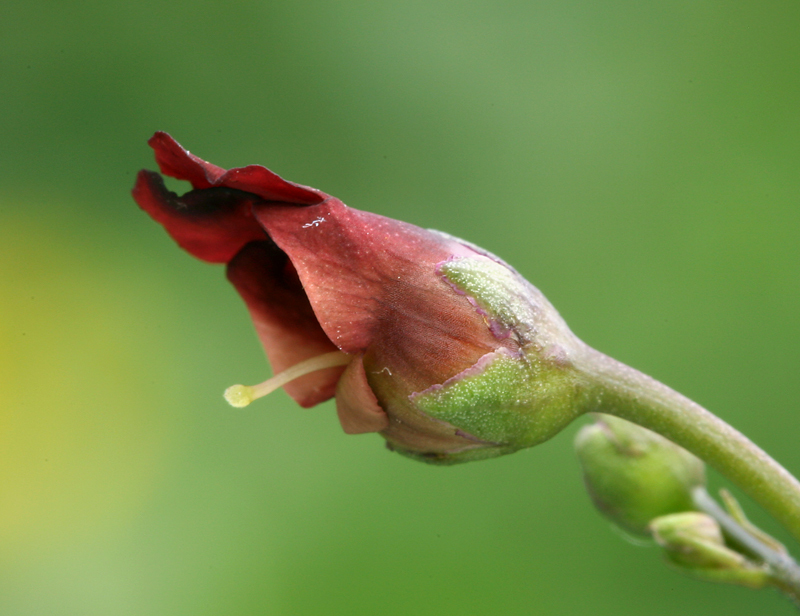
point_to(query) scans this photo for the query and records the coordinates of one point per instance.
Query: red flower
(319, 277)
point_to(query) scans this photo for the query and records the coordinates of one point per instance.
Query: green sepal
(495, 289)
(505, 400)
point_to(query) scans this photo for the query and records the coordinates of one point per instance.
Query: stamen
(242, 395)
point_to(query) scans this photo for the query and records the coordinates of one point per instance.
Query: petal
(177, 162)
(283, 318)
(271, 187)
(356, 404)
(211, 224)
(372, 279)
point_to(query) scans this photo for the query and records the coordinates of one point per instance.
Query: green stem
(616, 389)
(783, 569)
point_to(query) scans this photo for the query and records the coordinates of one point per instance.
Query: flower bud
(693, 543)
(634, 475)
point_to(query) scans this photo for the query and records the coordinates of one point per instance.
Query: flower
(433, 342)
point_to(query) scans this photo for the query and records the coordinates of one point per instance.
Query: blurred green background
(637, 161)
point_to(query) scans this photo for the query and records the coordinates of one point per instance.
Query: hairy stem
(617, 389)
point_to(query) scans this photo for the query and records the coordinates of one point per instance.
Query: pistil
(242, 395)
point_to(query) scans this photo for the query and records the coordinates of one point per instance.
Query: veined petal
(371, 278)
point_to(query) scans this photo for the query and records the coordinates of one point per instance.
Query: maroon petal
(271, 187)
(284, 320)
(212, 224)
(356, 404)
(177, 162)
(372, 278)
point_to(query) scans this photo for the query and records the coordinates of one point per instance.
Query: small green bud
(693, 543)
(634, 475)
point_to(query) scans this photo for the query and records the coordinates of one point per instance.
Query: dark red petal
(373, 285)
(356, 404)
(271, 187)
(212, 224)
(283, 318)
(177, 162)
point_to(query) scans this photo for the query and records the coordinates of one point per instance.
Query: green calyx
(519, 395)
(495, 290)
(505, 400)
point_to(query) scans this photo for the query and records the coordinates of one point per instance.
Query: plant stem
(616, 389)
(783, 568)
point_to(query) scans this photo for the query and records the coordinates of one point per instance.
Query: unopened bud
(634, 475)
(693, 543)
